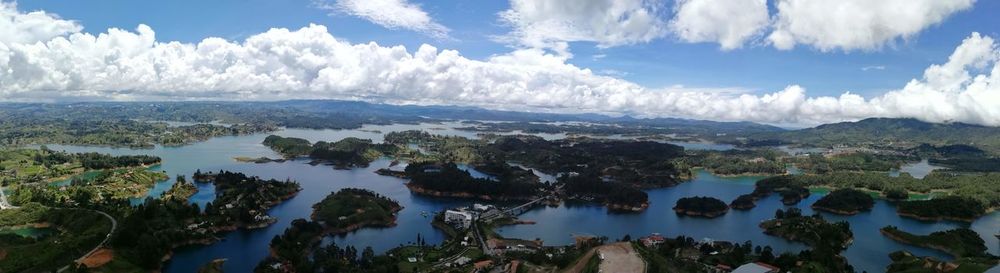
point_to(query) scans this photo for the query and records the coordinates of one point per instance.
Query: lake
(245, 249)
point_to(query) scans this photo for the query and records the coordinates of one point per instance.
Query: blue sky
(793, 62)
(663, 62)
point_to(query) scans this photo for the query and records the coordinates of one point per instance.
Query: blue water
(869, 252)
(917, 170)
(245, 249)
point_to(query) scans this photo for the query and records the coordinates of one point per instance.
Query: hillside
(893, 132)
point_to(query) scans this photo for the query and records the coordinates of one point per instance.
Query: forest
(298, 250)
(960, 242)
(701, 206)
(448, 179)
(845, 202)
(355, 208)
(347, 152)
(613, 194)
(944, 208)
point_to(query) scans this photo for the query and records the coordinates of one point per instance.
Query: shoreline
(899, 239)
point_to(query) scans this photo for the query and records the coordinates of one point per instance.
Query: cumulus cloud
(310, 63)
(391, 14)
(856, 24)
(551, 24)
(17, 27)
(728, 22)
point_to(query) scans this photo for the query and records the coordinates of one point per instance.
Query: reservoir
(555, 225)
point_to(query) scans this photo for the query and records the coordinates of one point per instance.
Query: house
(458, 218)
(481, 207)
(757, 267)
(652, 240)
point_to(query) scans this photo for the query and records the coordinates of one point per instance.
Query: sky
(783, 62)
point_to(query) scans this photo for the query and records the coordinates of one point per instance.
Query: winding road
(114, 226)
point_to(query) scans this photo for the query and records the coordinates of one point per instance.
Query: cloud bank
(392, 14)
(729, 22)
(844, 25)
(551, 24)
(856, 24)
(310, 63)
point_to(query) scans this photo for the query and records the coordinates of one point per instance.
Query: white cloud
(728, 22)
(551, 24)
(873, 67)
(17, 27)
(391, 14)
(310, 63)
(856, 24)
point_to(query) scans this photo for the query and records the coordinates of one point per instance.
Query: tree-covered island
(350, 209)
(701, 206)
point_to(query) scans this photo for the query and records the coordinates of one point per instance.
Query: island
(959, 242)
(345, 153)
(181, 189)
(953, 208)
(298, 250)
(701, 206)
(242, 200)
(744, 202)
(448, 180)
(955, 196)
(738, 162)
(792, 191)
(350, 209)
(906, 262)
(810, 230)
(616, 196)
(845, 202)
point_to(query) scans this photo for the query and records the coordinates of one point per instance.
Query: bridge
(515, 211)
(3, 201)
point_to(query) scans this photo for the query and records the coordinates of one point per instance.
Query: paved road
(114, 226)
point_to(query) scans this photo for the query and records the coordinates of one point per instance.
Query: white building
(756, 268)
(481, 207)
(457, 218)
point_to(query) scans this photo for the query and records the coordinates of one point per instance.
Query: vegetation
(346, 152)
(851, 162)
(350, 208)
(791, 190)
(74, 233)
(960, 242)
(288, 146)
(744, 202)
(448, 180)
(906, 262)
(811, 230)
(945, 208)
(33, 166)
(298, 250)
(845, 201)
(615, 195)
(738, 162)
(974, 193)
(701, 206)
(243, 200)
(684, 254)
(644, 164)
(181, 189)
(885, 132)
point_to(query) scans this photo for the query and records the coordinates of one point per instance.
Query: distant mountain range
(475, 113)
(334, 114)
(898, 132)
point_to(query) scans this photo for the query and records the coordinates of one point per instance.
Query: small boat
(424, 213)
